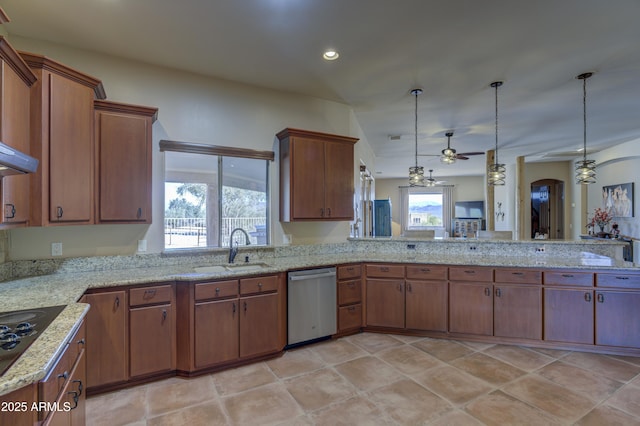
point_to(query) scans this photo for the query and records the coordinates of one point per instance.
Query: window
(210, 191)
(426, 209)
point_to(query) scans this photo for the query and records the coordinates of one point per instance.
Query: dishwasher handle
(311, 276)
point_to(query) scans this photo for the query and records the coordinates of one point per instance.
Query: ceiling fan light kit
(496, 172)
(585, 169)
(448, 154)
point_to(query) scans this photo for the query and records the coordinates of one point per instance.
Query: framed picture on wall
(618, 199)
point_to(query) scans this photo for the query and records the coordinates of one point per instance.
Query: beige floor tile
(408, 339)
(368, 373)
(631, 359)
(319, 389)
(408, 403)
(499, 409)
(455, 385)
(338, 351)
(179, 394)
(295, 362)
(522, 358)
(408, 359)
(605, 415)
(585, 382)
(627, 399)
(374, 342)
(605, 365)
(488, 368)
(241, 379)
(264, 405)
(355, 411)
(455, 418)
(130, 404)
(209, 413)
(550, 397)
(477, 346)
(445, 350)
(553, 353)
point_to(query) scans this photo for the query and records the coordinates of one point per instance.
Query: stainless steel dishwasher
(311, 297)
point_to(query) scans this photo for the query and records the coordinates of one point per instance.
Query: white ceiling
(453, 49)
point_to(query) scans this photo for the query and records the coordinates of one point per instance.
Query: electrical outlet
(56, 249)
(473, 248)
(142, 245)
(411, 246)
(540, 249)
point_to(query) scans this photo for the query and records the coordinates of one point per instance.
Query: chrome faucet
(233, 251)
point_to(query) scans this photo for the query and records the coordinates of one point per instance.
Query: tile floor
(378, 379)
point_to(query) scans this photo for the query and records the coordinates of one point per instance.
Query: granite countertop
(67, 288)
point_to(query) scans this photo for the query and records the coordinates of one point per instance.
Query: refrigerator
(382, 218)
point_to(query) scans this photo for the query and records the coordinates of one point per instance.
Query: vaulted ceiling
(452, 49)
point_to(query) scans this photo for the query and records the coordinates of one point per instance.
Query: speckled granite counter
(66, 286)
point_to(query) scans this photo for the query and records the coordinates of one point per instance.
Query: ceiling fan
(449, 155)
(431, 181)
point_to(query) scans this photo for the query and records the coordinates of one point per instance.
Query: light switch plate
(56, 249)
(142, 245)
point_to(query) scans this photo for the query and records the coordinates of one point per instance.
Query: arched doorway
(547, 209)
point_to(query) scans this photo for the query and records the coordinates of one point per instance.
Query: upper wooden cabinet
(62, 139)
(123, 162)
(16, 80)
(316, 176)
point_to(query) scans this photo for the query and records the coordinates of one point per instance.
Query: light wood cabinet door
(517, 311)
(151, 340)
(216, 332)
(426, 305)
(123, 161)
(385, 303)
(107, 338)
(70, 151)
(618, 318)
(259, 331)
(338, 173)
(569, 315)
(471, 308)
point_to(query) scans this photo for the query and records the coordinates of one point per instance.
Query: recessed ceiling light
(330, 55)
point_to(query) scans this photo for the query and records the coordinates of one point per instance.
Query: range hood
(14, 162)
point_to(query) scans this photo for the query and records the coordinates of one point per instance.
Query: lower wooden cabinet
(349, 298)
(385, 302)
(517, 311)
(107, 338)
(618, 318)
(569, 315)
(18, 407)
(258, 325)
(216, 332)
(471, 308)
(152, 342)
(426, 305)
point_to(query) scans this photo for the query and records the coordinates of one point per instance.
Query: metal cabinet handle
(59, 212)
(117, 302)
(321, 211)
(567, 275)
(80, 386)
(75, 398)
(425, 270)
(64, 375)
(498, 292)
(469, 271)
(351, 308)
(329, 212)
(621, 278)
(139, 213)
(164, 315)
(408, 287)
(233, 309)
(81, 341)
(245, 306)
(217, 291)
(351, 285)
(260, 286)
(149, 294)
(487, 292)
(384, 269)
(600, 298)
(587, 297)
(517, 273)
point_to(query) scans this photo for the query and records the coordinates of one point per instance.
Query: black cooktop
(18, 329)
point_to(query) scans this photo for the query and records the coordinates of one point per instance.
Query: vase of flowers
(601, 218)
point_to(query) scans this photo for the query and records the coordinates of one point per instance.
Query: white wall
(192, 108)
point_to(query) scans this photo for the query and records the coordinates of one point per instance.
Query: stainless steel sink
(238, 267)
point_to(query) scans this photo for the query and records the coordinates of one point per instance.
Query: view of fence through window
(425, 210)
(203, 207)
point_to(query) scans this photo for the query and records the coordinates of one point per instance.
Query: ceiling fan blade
(428, 155)
(470, 153)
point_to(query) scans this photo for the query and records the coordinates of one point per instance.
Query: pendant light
(416, 173)
(585, 169)
(496, 171)
(448, 154)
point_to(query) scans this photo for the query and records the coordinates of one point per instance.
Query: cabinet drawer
(349, 292)
(349, 317)
(385, 271)
(470, 274)
(56, 379)
(518, 276)
(150, 295)
(618, 280)
(259, 284)
(582, 279)
(349, 271)
(216, 290)
(427, 272)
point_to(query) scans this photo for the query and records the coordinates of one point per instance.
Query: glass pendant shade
(416, 176)
(496, 174)
(585, 169)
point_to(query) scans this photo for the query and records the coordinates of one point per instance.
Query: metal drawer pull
(621, 278)
(81, 341)
(587, 297)
(260, 286)
(80, 387)
(487, 292)
(384, 269)
(600, 298)
(425, 270)
(64, 375)
(149, 294)
(517, 273)
(469, 272)
(217, 291)
(567, 275)
(9, 211)
(351, 285)
(76, 397)
(498, 292)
